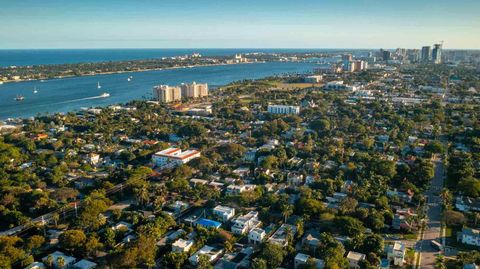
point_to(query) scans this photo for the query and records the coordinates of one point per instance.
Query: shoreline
(130, 71)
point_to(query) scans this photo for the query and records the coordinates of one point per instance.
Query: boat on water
(98, 85)
(130, 78)
(104, 95)
(19, 98)
(35, 90)
(1, 82)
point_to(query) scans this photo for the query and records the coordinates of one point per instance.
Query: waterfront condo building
(281, 109)
(194, 90)
(173, 157)
(167, 94)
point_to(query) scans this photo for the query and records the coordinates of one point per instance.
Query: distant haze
(240, 23)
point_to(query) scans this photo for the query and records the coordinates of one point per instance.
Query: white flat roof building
(245, 223)
(256, 236)
(211, 252)
(182, 245)
(225, 213)
(172, 157)
(283, 110)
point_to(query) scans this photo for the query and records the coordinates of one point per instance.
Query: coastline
(130, 71)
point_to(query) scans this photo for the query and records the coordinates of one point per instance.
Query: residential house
(303, 259)
(212, 254)
(84, 264)
(311, 240)
(245, 223)
(294, 179)
(182, 245)
(256, 236)
(237, 260)
(354, 258)
(396, 253)
(224, 213)
(237, 189)
(280, 237)
(56, 256)
(242, 172)
(196, 182)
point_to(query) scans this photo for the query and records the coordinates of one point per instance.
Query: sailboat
(35, 90)
(19, 98)
(98, 85)
(129, 78)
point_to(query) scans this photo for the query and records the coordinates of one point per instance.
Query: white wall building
(256, 236)
(182, 245)
(173, 157)
(354, 258)
(245, 223)
(224, 213)
(284, 110)
(302, 259)
(211, 252)
(396, 253)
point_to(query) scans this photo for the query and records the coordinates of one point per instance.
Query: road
(434, 214)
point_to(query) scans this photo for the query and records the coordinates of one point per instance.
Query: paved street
(432, 231)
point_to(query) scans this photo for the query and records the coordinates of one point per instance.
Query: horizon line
(230, 48)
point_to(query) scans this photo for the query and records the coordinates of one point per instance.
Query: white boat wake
(82, 99)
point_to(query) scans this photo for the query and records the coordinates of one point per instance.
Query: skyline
(365, 24)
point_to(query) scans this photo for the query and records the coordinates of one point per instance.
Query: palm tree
(142, 194)
(440, 262)
(287, 210)
(50, 261)
(447, 197)
(60, 262)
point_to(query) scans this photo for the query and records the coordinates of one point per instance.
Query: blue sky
(238, 24)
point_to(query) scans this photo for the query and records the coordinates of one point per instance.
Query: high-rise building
(166, 94)
(413, 55)
(347, 57)
(437, 54)
(426, 54)
(194, 90)
(386, 55)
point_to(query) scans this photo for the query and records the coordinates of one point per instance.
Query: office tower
(413, 55)
(426, 54)
(437, 54)
(386, 55)
(166, 94)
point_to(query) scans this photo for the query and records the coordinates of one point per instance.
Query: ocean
(61, 56)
